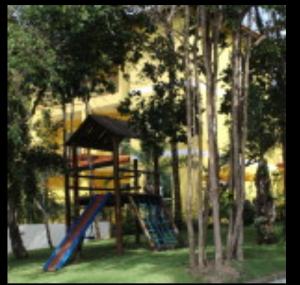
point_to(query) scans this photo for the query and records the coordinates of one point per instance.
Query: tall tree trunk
(174, 142)
(191, 237)
(212, 140)
(283, 78)
(244, 126)
(199, 127)
(46, 223)
(284, 179)
(17, 245)
(176, 184)
(236, 144)
(205, 217)
(231, 209)
(239, 138)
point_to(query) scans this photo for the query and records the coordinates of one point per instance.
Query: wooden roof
(98, 132)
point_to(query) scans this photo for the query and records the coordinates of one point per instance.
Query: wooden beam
(104, 177)
(133, 170)
(94, 166)
(118, 210)
(86, 188)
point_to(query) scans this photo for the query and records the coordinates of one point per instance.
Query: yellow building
(106, 104)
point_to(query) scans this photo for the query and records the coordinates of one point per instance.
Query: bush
(280, 213)
(249, 213)
(129, 225)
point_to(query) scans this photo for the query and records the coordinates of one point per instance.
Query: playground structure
(104, 133)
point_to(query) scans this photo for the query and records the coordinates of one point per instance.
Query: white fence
(34, 235)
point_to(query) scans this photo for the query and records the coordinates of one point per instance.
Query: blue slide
(65, 249)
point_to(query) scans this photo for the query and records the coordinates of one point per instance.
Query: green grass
(100, 264)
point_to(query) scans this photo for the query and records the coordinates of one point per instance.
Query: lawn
(100, 264)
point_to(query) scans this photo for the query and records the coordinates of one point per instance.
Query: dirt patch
(211, 274)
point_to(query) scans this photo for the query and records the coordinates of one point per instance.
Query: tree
(25, 71)
(198, 131)
(189, 120)
(57, 53)
(17, 138)
(211, 21)
(168, 93)
(44, 162)
(269, 67)
(88, 43)
(251, 133)
(242, 43)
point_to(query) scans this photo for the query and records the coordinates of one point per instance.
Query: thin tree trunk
(212, 144)
(46, 223)
(244, 108)
(176, 184)
(190, 228)
(17, 245)
(205, 217)
(284, 141)
(284, 180)
(199, 124)
(174, 143)
(231, 193)
(239, 117)
(235, 144)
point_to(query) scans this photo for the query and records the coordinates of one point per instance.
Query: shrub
(249, 213)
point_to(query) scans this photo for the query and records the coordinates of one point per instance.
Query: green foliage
(56, 53)
(249, 213)
(161, 116)
(87, 43)
(18, 139)
(266, 101)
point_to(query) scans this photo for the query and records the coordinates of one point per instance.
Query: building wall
(34, 235)
(106, 104)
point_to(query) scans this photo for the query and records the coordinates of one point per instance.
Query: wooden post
(76, 212)
(118, 211)
(136, 175)
(67, 193)
(156, 173)
(136, 185)
(75, 181)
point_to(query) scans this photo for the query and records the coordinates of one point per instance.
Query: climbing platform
(155, 222)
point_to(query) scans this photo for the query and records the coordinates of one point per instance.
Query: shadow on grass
(100, 263)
